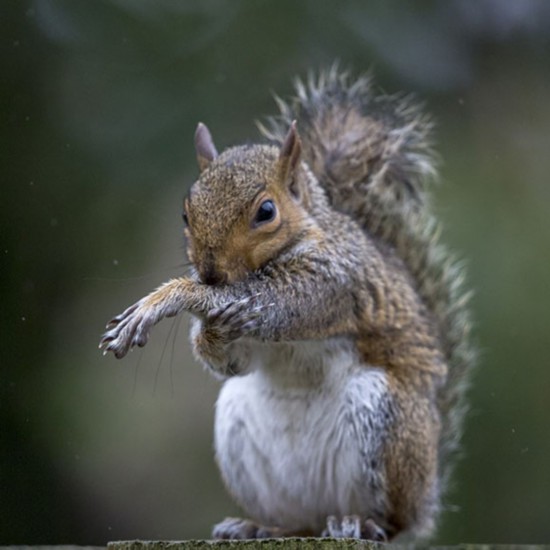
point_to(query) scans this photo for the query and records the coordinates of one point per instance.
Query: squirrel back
(372, 154)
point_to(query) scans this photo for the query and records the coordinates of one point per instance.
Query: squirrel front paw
(131, 328)
(213, 338)
(127, 330)
(234, 320)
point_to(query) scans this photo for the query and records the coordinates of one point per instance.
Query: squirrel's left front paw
(235, 320)
(221, 326)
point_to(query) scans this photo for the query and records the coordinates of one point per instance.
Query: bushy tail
(372, 153)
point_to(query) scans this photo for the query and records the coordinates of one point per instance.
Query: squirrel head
(248, 206)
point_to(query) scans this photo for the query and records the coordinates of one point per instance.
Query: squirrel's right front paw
(123, 329)
(131, 328)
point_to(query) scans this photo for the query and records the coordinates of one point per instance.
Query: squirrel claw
(105, 340)
(122, 316)
(229, 309)
(372, 531)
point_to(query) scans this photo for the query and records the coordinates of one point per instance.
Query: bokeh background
(98, 105)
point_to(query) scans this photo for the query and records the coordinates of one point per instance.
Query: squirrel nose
(213, 277)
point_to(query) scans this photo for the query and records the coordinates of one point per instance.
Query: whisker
(138, 362)
(174, 338)
(143, 276)
(162, 356)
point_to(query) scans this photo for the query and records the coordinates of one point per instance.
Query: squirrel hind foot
(352, 527)
(238, 528)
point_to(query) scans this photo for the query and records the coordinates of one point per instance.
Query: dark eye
(266, 212)
(185, 219)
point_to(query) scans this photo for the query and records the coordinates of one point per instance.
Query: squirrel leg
(226, 316)
(352, 527)
(237, 528)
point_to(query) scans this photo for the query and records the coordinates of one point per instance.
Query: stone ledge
(303, 544)
(279, 544)
(291, 543)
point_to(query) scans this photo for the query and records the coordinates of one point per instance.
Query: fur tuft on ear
(291, 148)
(204, 146)
(289, 156)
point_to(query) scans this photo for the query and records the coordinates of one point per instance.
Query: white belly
(298, 439)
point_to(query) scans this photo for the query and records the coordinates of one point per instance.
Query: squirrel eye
(266, 212)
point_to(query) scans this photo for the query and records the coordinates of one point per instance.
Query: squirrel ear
(289, 156)
(204, 146)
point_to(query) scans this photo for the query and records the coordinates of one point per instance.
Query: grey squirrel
(322, 298)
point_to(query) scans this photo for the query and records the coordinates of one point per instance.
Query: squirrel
(320, 294)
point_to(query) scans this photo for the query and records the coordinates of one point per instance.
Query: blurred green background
(99, 102)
